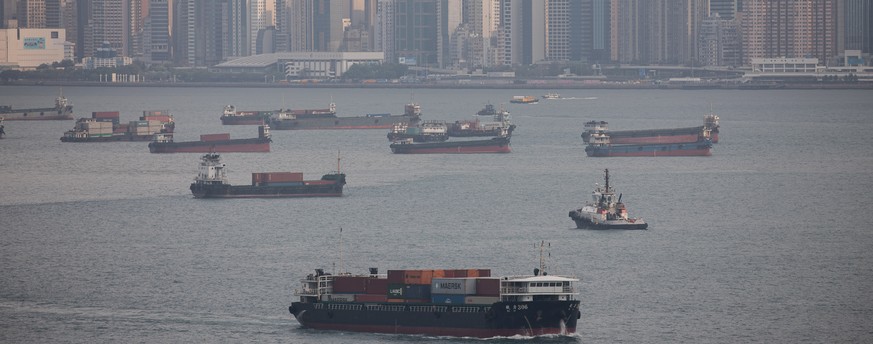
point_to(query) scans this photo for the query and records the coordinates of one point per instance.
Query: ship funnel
(374, 271)
(319, 272)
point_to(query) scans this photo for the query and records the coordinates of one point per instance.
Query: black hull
(483, 321)
(493, 145)
(250, 191)
(253, 145)
(417, 138)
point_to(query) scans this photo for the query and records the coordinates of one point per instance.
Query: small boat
(524, 100)
(551, 95)
(488, 110)
(439, 302)
(211, 182)
(213, 143)
(605, 211)
(600, 146)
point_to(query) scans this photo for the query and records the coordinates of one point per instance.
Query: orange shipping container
(282, 177)
(104, 114)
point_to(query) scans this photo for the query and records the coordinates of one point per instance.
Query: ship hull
(360, 122)
(482, 321)
(244, 120)
(113, 138)
(652, 136)
(45, 114)
(700, 148)
(251, 191)
(228, 146)
(493, 145)
(583, 222)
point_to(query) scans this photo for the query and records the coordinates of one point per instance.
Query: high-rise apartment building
(107, 24)
(235, 32)
(135, 20)
(416, 32)
(720, 43)
(54, 13)
(656, 31)
(158, 46)
(854, 30)
(789, 28)
(257, 21)
(726, 9)
(383, 39)
(300, 25)
(31, 14)
(599, 29)
(523, 31)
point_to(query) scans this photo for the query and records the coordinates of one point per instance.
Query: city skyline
(460, 34)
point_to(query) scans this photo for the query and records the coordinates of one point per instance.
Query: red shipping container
(396, 276)
(484, 272)
(256, 178)
(350, 284)
(460, 273)
(215, 137)
(162, 118)
(282, 177)
(377, 286)
(488, 286)
(371, 298)
(104, 114)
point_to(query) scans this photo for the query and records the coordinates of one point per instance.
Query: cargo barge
(458, 303)
(213, 143)
(104, 126)
(709, 130)
(427, 131)
(605, 211)
(289, 120)
(477, 128)
(211, 182)
(498, 144)
(231, 116)
(63, 110)
(601, 146)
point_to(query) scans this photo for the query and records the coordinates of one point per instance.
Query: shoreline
(537, 85)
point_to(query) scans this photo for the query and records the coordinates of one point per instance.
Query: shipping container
(159, 118)
(488, 286)
(455, 286)
(139, 123)
(395, 276)
(395, 300)
(350, 284)
(105, 114)
(447, 298)
(215, 137)
(377, 286)
(371, 298)
(155, 112)
(481, 300)
(283, 184)
(484, 272)
(409, 291)
(417, 277)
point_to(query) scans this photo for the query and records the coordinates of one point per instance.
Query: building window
(54, 34)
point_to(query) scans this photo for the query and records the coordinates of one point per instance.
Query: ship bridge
(538, 288)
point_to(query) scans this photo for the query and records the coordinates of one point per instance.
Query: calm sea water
(768, 240)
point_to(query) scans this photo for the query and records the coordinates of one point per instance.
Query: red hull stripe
(387, 126)
(37, 118)
(439, 331)
(457, 150)
(693, 152)
(277, 195)
(655, 139)
(244, 122)
(246, 148)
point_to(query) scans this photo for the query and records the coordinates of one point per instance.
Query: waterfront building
(309, 65)
(26, 48)
(788, 28)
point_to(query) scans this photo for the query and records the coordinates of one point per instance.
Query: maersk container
(454, 286)
(447, 298)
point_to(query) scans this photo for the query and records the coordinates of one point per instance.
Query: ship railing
(466, 309)
(344, 306)
(428, 308)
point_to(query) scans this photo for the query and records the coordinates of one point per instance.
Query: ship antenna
(341, 252)
(607, 179)
(337, 161)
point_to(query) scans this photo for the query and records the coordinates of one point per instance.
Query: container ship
(104, 126)
(231, 116)
(708, 130)
(605, 211)
(468, 128)
(600, 146)
(499, 144)
(63, 110)
(213, 143)
(524, 100)
(288, 120)
(459, 303)
(211, 182)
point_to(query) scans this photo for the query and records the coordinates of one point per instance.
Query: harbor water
(767, 240)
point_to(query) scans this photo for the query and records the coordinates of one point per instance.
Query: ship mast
(607, 179)
(337, 161)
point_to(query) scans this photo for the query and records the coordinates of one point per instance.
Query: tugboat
(606, 211)
(439, 302)
(488, 110)
(551, 95)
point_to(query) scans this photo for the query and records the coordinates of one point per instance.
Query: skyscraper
(787, 28)
(235, 32)
(31, 14)
(257, 21)
(107, 24)
(159, 31)
(600, 31)
(415, 31)
(855, 29)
